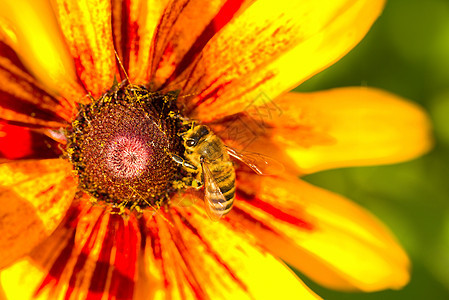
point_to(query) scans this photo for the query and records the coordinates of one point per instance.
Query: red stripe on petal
(211, 95)
(23, 99)
(19, 106)
(126, 245)
(8, 52)
(253, 220)
(59, 264)
(133, 25)
(226, 13)
(122, 31)
(226, 265)
(52, 279)
(274, 211)
(212, 252)
(19, 84)
(169, 18)
(92, 254)
(17, 142)
(150, 229)
(77, 273)
(208, 98)
(172, 269)
(87, 29)
(99, 279)
(276, 39)
(189, 267)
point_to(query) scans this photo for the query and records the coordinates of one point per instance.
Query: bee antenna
(121, 65)
(188, 95)
(90, 96)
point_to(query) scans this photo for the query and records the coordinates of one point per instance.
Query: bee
(208, 159)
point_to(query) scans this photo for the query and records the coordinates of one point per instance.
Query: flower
(62, 235)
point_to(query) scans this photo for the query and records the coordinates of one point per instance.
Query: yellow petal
(134, 25)
(92, 254)
(336, 128)
(271, 47)
(350, 127)
(23, 99)
(34, 197)
(204, 259)
(31, 29)
(20, 275)
(184, 29)
(325, 236)
(87, 29)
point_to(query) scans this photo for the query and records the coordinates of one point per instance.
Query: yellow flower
(89, 196)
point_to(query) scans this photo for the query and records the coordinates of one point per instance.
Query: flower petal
(351, 127)
(134, 23)
(34, 196)
(343, 127)
(18, 142)
(91, 255)
(20, 280)
(87, 28)
(23, 99)
(184, 30)
(271, 47)
(30, 28)
(325, 236)
(201, 259)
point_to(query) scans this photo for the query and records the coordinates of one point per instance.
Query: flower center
(127, 156)
(121, 146)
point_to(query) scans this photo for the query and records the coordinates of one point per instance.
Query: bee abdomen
(222, 208)
(226, 182)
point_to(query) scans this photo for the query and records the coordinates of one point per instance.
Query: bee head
(195, 135)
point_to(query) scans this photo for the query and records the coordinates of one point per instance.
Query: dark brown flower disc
(121, 146)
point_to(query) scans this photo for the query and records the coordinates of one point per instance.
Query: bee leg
(196, 184)
(179, 160)
(179, 184)
(177, 116)
(187, 182)
(193, 182)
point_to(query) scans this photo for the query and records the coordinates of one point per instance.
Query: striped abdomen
(224, 175)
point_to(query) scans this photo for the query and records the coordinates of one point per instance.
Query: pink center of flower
(127, 156)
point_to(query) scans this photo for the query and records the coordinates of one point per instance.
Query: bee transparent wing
(261, 164)
(214, 201)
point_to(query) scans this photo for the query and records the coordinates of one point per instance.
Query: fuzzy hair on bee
(208, 162)
(206, 156)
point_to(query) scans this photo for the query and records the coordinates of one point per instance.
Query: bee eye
(190, 143)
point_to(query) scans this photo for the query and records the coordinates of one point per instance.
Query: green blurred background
(406, 52)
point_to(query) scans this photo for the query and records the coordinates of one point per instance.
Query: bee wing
(261, 164)
(213, 197)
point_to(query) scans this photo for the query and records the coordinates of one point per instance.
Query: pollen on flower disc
(121, 146)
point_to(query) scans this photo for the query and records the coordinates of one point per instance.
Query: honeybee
(207, 156)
